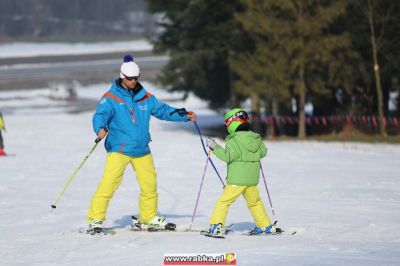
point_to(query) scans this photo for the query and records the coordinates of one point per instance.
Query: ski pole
(205, 150)
(198, 194)
(53, 206)
(266, 187)
(182, 111)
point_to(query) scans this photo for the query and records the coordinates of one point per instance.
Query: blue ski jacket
(126, 116)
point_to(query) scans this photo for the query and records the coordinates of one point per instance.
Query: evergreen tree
(260, 69)
(300, 45)
(199, 36)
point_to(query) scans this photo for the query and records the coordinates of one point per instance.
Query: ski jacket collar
(135, 96)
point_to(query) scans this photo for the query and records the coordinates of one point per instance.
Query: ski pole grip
(98, 140)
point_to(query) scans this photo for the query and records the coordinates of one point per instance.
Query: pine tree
(260, 69)
(300, 45)
(199, 36)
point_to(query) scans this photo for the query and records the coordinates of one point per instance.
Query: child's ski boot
(216, 231)
(272, 229)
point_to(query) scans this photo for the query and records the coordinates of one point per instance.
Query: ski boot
(158, 223)
(272, 229)
(95, 227)
(216, 231)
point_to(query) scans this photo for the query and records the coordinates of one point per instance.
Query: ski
(151, 230)
(248, 233)
(227, 230)
(136, 226)
(179, 229)
(170, 227)
(104, 231)
(208, 234)
(127, 230)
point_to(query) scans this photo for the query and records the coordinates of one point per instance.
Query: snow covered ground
(343, 199)
(31, 49)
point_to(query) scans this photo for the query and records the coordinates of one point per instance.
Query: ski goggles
(240, 116)
(131, 78)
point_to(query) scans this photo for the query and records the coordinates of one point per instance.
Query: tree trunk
(255, 111)
(302, 101)
(233, 99)
(376, 70)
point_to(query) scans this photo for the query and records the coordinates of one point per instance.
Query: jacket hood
(249, 140)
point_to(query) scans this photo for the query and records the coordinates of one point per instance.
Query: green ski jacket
(243, 152)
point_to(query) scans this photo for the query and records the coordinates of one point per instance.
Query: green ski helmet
(234, 118)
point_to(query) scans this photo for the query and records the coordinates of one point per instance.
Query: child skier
(243, 152)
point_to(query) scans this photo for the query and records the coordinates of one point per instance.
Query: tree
(260, 78)
(200, 37)
(260, 68)
(301, 44)
(374, 26)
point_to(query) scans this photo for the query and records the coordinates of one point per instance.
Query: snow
(342, 198)
(32, 49)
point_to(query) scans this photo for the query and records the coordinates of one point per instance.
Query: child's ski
(229, 230)
(226, 230)
(245, 233)
(206, 233)
(248, 233)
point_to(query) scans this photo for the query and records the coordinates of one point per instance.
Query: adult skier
(242, 153)
(123, 115)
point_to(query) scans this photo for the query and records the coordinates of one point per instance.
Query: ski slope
(343, 199)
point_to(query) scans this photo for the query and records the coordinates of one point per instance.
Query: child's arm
(228, 154)
(263, 150)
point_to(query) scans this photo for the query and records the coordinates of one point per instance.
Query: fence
(287, 125)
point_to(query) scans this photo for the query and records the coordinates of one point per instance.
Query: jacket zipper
(132, 115)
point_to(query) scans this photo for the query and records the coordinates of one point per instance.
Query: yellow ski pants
(254, 203)
(116, 164)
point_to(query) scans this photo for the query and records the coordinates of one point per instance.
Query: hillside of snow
(342, 199)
